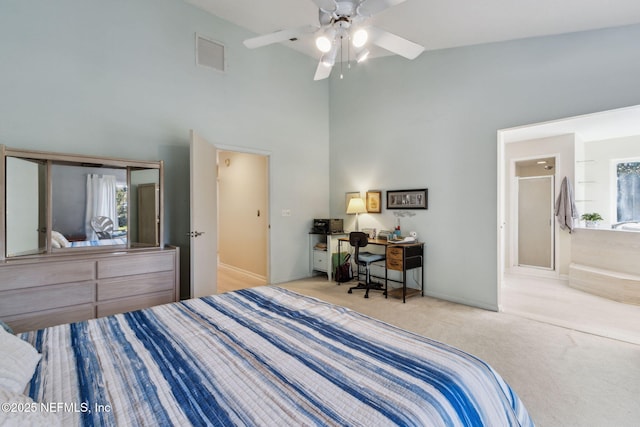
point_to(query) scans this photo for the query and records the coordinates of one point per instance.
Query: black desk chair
(358, 240)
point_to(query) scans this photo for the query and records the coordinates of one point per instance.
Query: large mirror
(56, 203)
(608, 181)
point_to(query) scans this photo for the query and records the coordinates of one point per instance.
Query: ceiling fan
(344, 21)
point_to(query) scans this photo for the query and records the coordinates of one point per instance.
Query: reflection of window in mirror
(607, 180)
(81, 194)
(25, 206)
(627, 190)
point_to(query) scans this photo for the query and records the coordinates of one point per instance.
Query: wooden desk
(399, 257)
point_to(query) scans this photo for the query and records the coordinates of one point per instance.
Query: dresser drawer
(45, 273)
(133, 303)
(45, 297)
(135, 285)
(136, 264)
(42, 319)
(320, 260)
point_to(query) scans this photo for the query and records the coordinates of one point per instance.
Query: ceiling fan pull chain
(349, 52)
(341, 56)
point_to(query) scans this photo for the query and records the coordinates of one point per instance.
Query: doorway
(544, 295)
(243, 219)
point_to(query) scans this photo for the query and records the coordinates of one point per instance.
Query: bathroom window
(628, 191)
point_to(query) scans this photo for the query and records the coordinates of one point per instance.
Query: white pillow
(20, 411)
(59, 239)
(18, 361)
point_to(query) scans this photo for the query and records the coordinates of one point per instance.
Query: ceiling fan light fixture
(362, 55)
(325, 41)
(329, 58)
(359, 38)
(323, 44)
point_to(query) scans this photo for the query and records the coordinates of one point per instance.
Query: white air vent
(209, 53)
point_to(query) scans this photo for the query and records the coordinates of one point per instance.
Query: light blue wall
(118, 78)
(432, 122)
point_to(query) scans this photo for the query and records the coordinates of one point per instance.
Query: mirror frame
(76, 159)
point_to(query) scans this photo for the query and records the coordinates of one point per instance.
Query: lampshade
(356, 206)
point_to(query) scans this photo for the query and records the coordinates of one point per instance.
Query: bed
(58, 240)
(101, 242)
(264, 356)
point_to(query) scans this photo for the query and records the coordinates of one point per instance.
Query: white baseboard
(242, 271)
(463, 301)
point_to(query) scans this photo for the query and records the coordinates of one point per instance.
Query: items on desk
(407, 239)
(370, 232)
(320, 246)
(327, 226)
(384, 234)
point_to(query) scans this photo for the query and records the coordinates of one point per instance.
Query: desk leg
(422, 273)
(404, 286)
(339, 252)
(386, 276)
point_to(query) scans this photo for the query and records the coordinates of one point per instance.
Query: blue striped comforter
(264, 356)
(102, 242)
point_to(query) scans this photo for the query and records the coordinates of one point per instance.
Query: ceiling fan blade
(279, 36)
(326, 5)
(323, 71)
(394, 44)
(371, 7)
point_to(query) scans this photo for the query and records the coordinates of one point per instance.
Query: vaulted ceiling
(439, 24)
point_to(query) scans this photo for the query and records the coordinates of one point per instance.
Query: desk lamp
(356, 206)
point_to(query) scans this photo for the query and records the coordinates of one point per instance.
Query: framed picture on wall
(407, 199)
(373, 201)
(348, 196)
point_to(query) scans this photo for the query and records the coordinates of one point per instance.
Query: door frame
(505, 172)
(268, 156)
(511, 214)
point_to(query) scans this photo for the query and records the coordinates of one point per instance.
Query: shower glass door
(535, 222)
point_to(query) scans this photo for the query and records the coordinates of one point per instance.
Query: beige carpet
(564, 377)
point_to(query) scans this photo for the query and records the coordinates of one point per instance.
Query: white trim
(242, 271)
(247, 150)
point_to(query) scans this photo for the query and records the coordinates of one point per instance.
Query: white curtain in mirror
(101, 201)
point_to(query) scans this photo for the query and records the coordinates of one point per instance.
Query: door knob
(195, 233)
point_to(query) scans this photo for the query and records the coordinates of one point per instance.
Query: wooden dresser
(45, 291)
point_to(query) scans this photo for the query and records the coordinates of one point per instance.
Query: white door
(535, 222)
(203, 228)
